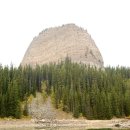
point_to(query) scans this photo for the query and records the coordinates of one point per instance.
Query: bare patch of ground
(40, 109)
(22, 123)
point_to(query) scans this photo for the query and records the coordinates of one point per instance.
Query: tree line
(82, 90)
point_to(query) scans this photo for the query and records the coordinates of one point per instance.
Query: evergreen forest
(74, 88)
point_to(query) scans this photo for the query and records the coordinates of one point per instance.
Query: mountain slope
(55, 44)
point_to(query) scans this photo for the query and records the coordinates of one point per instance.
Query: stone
(55, 44)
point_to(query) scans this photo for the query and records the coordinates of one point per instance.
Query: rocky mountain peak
(55, 44)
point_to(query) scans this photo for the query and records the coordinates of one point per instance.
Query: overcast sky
(107, 21)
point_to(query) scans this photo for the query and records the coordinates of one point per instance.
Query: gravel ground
(122, 123)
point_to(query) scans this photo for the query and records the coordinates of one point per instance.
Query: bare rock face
(55, 44)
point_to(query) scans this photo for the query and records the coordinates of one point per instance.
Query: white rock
(55, 44)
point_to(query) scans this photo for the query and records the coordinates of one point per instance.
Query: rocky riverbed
(24, 123)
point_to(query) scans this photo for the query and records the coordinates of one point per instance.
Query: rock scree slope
(57, 43)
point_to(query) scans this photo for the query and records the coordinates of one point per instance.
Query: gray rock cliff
(55, 44)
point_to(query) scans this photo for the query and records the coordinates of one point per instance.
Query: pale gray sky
(108, 22)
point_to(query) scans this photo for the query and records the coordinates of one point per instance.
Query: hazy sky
(108, 22)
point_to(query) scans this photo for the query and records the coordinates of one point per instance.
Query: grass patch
(128, 117)
(101, 129)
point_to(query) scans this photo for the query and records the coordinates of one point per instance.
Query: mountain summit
(57, 43)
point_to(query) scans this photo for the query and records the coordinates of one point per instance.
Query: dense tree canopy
(77, 88)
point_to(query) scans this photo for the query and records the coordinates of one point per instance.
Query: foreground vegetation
(84, 91)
